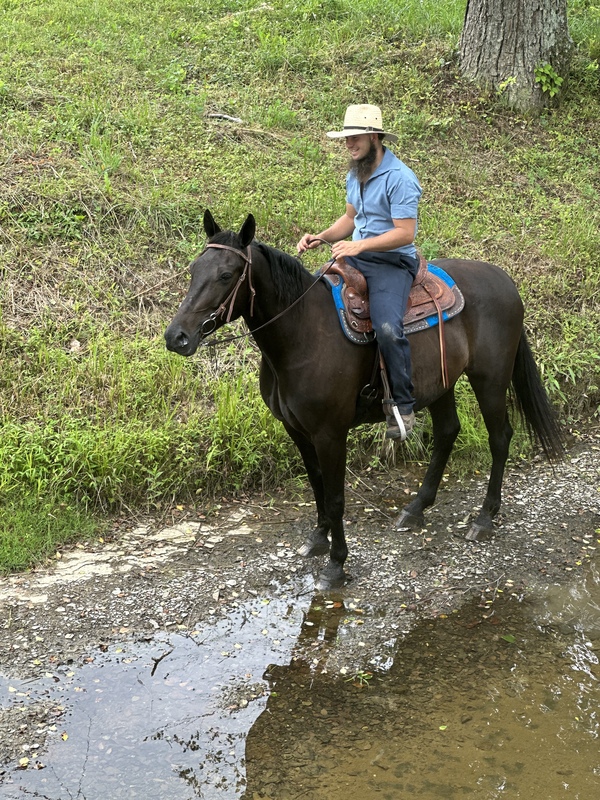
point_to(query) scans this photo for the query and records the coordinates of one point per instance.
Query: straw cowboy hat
(362, 119)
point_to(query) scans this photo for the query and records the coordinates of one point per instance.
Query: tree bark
(504, 41)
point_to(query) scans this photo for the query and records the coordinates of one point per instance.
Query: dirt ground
(150, 578)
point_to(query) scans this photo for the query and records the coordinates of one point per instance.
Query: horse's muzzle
(179, 341)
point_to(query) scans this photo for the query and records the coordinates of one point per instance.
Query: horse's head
(216, 276)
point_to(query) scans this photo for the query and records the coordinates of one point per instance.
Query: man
(382, 196)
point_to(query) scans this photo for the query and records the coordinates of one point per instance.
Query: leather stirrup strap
(388, 400)
(387, 391)
(442, 338)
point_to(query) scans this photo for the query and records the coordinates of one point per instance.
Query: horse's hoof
(331, 578)
(479, 533)
(311, 548)
(408, 521)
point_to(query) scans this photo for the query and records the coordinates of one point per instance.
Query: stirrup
(397, 416)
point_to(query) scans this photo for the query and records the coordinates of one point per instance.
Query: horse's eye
(225, 276)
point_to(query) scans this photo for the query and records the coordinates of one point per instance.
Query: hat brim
(359, 132)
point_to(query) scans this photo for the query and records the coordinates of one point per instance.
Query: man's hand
(308, 242)
(354, 248)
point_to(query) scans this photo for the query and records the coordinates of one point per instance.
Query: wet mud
(195, 660)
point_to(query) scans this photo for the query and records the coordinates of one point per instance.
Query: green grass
(117, 427)
(109, 158)
(31, 530)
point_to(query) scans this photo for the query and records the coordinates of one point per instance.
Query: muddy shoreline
(151, 581)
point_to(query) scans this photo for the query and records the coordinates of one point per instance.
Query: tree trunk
(504, 41)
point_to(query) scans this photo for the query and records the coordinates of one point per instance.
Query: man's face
(365, 150)
(359, 146)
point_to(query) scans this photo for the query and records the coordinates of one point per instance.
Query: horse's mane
(287, 272)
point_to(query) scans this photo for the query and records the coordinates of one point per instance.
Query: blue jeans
(389, 278)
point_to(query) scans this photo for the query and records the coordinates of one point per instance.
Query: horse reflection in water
(302, 698)
(333, 730)
(311, 376)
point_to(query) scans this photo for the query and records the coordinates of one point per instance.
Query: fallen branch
(159, 659)
(225, 116)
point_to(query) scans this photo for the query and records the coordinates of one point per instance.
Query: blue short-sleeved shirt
(392, 192)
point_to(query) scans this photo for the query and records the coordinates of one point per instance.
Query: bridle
(230, 299)
(210, 323)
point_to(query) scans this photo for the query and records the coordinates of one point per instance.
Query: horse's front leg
(316, 543)
(331, 453)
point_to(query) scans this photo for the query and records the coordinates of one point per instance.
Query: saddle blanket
(411, 325)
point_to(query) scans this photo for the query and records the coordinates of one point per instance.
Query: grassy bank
(109, 155)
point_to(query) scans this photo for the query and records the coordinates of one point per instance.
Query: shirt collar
(387, 162)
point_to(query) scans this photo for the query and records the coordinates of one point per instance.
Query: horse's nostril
(176, 339)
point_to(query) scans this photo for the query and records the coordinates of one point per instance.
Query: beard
(363, 167)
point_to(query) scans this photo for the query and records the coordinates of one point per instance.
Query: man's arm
(402, 233)
(341, 229)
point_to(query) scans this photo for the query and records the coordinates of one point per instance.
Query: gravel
(149, 579)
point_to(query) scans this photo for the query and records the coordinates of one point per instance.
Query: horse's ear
(210, 226)
(247, 230)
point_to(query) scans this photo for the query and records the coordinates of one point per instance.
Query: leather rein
(228, 303)
(210, 323)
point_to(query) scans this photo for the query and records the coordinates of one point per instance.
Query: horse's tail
(534, 404)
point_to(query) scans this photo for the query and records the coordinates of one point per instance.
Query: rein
(230, 299)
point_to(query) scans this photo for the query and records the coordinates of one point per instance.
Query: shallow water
(287, 698)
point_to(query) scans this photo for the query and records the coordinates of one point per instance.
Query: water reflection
(491, 702)
(498, 700)
(165, 718)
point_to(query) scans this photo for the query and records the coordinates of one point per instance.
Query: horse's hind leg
(492, 402)
(316, 543)
(446, 427)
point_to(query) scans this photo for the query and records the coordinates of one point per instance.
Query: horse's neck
(281, 327)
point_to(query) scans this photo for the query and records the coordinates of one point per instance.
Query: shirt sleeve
(404, 192)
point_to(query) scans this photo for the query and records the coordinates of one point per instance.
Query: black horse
(311, 375)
